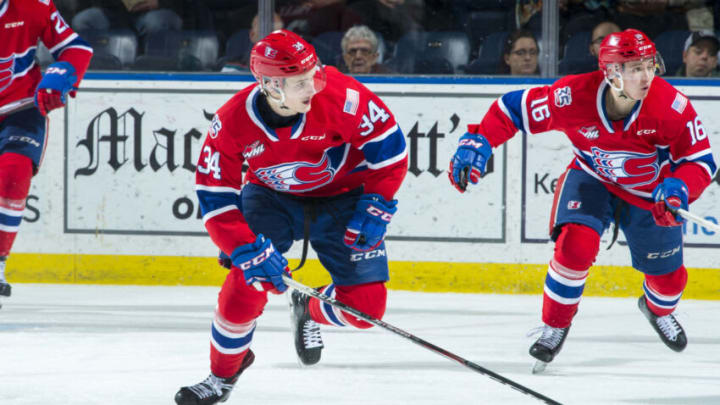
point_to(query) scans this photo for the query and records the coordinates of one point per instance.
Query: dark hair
(504, 68)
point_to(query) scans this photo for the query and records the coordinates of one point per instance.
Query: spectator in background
(360, 52)
(308, 18)
(520, 54)
(650, 17)
(700, 56)
(599, 33)
(391, 18)
(239, 63)
(144, 16)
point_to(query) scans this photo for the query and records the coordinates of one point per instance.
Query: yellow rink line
(503, 278)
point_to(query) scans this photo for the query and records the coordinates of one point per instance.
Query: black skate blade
(539, 367)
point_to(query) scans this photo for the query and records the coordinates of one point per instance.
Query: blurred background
(402, 37)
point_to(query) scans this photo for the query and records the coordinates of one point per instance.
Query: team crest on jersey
(299, 177)
(628, 169)
(590, 132)
(7, 70)
(563, 97)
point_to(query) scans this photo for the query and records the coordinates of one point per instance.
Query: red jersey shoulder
(665, 102)
(36, 11)
(576, 90)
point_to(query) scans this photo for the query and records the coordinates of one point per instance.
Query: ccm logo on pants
(662, 255)
(356, 257)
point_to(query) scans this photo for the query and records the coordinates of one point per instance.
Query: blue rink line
(449, 80)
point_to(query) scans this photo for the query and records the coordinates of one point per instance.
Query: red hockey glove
(669, 195)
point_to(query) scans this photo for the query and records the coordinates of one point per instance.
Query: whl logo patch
(253, 150)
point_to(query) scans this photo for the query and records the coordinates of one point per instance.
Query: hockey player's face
(299, 90)
(637, 76)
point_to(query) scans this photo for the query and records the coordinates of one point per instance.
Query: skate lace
(550, 338)
(311, 335)
(669, 326)
(209, 387)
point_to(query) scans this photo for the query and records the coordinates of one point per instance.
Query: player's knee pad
(669, 284)
(577, 246)
(15, 173)
(369, 298)
(239, 303)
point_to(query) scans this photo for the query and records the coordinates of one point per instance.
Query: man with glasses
(360, 52)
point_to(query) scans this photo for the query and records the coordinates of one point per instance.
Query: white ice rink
(122, 345)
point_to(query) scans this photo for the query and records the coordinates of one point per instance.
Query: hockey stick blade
(421, 342)
(696, 219)
(16, 106)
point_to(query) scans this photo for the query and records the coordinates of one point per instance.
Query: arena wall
(114, 201)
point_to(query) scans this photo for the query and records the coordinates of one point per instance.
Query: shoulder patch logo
(679, 103)
(215, 127)
(352, 100)
(563, 97)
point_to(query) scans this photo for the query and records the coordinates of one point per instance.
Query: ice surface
(128, 345)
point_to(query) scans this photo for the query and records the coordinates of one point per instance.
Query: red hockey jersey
(662, 137)
(22, 24)
(348, 139)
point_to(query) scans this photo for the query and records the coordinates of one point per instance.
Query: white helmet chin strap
(268, 90)
(617, 74)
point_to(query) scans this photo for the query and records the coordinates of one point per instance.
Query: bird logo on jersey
(299, 177)
(7, 70)
(627, 169)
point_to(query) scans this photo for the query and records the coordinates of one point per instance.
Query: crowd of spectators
(373, 36)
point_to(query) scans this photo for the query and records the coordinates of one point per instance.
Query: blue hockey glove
(262, 265)
(469, 160)
(59, 79)
(366, 228)
(669, 195)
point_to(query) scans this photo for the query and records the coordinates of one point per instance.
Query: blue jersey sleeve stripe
(212, 201)
(76, 42)
(511, 104)
(393, 146)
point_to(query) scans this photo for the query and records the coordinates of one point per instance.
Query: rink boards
(114, 201)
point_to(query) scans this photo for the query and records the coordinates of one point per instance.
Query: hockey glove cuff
(59, 79)
(367, 227)
(262, 265)
(468, 162)
(669, 195)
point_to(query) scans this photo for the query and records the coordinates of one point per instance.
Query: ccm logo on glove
(377, 212)
(257, 260)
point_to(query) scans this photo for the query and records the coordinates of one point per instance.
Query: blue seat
(489, 59)
(327, 46)
(670, 45)
(433, 66)
(192, 50)
(480, 24)
(120, 43)
(576, 55)
(238, 46)
(453, 46)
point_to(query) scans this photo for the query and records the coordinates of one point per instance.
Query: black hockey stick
(384, 325)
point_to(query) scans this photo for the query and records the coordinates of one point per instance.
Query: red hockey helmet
(281, 54)
(631, 44)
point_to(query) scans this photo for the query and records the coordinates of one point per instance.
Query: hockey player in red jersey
(325, 159)
(26, 96)
(640, 151)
